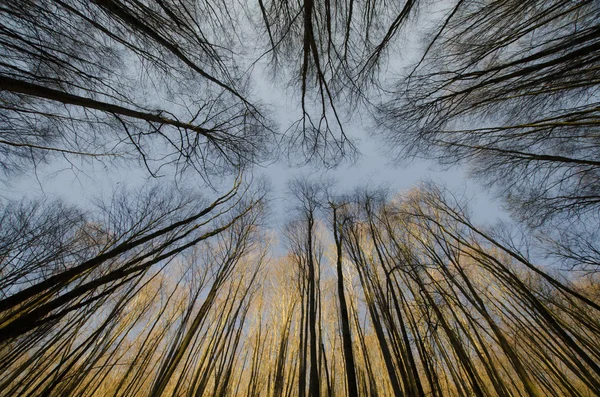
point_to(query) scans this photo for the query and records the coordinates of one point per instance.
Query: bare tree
(509, 89)
(338, 235)
(85, 79)
(332, 53)
(160, 230)
(303, 243)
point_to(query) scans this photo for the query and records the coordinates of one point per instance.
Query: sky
(82, 183)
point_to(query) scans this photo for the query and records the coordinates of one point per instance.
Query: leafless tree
(152, 82)
(511, 90)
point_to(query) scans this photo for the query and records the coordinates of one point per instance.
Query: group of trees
(376, 296)
(511, 90)
(167, 291)
(153, 82)
(131, 288)
(427, 303)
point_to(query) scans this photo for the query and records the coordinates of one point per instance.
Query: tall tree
(338, 235)
(304, 246)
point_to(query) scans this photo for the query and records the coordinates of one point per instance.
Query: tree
(459, 293)
(307, 257)
(95, 308)
(161, 228)
(350, 366)
(509, 89)
(332, 52)
(77, 77)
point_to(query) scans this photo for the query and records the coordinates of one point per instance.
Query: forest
(181, 281)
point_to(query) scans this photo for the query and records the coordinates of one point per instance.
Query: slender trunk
(344, 318)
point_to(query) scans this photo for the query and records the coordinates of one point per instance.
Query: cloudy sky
(82, 182)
